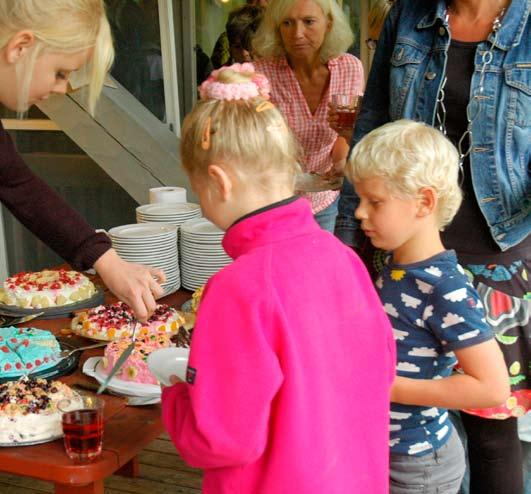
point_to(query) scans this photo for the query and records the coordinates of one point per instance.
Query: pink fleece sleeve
(220, 418)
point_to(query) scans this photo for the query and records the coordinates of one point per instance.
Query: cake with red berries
(115, 321)
(48, 288)
(26, 350)
(29, 410)
(135, 368)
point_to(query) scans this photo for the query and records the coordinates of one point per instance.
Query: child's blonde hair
(268, 42)
(60, 26)
(250, 135)
(409, 156)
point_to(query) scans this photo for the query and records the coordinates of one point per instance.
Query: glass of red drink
(83, 428)
(346, 107)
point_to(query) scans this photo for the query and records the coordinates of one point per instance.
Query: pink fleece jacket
(290, 368)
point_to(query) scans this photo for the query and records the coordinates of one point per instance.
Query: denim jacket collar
(511, 30)
(430, 19)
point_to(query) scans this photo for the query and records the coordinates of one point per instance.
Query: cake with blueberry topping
(26, 350)
(48, 288)
(29, 410)
(115, 321)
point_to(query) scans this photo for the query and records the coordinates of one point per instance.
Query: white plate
(167, 208)
(92, 367)
(142, 230)
(201, 226)
(168, 361)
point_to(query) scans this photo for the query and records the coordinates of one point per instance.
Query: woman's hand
(136, 285)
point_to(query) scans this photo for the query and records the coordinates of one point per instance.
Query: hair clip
(205, 138)
(264, 106)
(257, 85)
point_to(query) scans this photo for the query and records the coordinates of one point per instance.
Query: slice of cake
(48, 288)
(135, 368)
(196, 298)
(26, 350)
(29, 410)
(115, 321)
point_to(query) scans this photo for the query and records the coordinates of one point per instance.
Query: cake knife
(10, 320)
(123, 357)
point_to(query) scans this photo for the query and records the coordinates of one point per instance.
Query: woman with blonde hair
(302, 44)
(41, 44)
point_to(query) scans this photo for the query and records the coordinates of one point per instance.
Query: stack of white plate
(152, 244)
(201, 252)
(172, 213)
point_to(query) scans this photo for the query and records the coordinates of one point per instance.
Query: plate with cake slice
(134, 377)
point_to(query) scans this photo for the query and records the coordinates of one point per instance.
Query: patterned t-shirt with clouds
(434, 310)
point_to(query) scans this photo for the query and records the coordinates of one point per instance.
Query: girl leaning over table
(41, 44)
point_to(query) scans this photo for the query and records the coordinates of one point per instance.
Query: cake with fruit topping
(48, 288)
(196, 298)
(115, 321)
(29, 410)
(135, 368)
(26, 350)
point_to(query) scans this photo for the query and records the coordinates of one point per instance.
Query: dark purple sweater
(38, 207)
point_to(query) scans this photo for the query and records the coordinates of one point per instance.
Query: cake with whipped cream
(193, 304)
(135, 368)
(48, 288)
(196, 298)
(115, 321)
(26, 350)
(29, 410)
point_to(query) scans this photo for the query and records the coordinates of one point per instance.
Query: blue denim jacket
(407, 71)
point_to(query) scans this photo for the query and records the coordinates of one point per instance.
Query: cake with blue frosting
(26, 350)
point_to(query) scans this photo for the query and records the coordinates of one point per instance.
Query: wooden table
(127, 431)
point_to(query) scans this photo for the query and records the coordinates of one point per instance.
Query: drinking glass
(83, 428)
(346, 107)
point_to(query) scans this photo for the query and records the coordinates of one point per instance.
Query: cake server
(123, 357)
(67, 353)
(10, 320)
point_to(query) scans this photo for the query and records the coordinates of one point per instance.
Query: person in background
(292, 357)
(221, 53)
(41, 43)
(240, 28)
(376, 18)
(463, 67)
(406, 176)
(303, 44)
(524, 432)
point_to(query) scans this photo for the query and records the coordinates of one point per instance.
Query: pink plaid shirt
(313, 132)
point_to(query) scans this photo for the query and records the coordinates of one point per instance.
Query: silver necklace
(473, 106)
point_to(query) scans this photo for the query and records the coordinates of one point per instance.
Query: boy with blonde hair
(406, 176)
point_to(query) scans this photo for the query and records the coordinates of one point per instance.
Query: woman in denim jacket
(465, 67)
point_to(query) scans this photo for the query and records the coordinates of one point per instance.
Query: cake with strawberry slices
(26, 350)
(115, 321)
(48, 288)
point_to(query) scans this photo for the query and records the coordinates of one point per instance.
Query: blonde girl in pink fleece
(292, 356)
